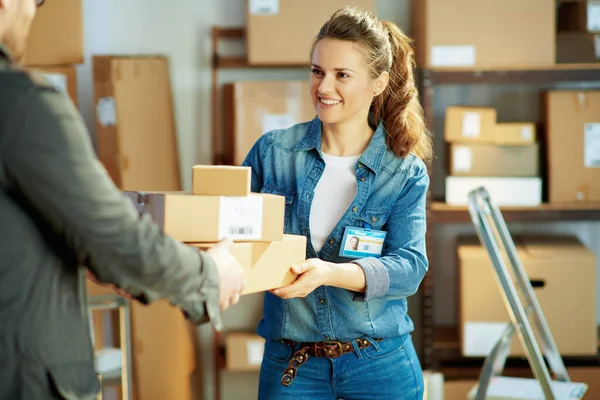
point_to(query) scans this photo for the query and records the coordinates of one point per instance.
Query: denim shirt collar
(371, 157)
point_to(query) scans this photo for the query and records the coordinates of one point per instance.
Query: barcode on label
(367, 247)
(237, 230)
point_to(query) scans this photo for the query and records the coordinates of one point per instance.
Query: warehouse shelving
(441, 346)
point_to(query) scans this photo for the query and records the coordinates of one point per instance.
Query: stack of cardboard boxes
(503, 157)
(222, 205)
(55, 44)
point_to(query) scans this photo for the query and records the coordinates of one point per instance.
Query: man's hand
(231, 275)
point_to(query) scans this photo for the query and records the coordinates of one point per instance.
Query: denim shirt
(391, 196)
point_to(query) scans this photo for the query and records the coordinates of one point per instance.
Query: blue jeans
(387, 370)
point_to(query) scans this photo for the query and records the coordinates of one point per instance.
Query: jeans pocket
(278, 351)
(386, 348)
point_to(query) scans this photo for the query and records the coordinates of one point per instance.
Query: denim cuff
(377, 278)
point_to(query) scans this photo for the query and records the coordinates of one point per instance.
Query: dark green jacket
(60, 210)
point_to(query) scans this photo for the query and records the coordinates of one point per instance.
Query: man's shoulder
(18, 77)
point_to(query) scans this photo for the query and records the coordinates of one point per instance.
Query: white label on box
(593, 17)
(453, 56)
(526, 133)
(262, 7)
(106, 111)
(462, 159)
(591, 151)
(273, 122)
(471, 124)
(479, 338)
(240, 218)
(59, 81)
(255, 350)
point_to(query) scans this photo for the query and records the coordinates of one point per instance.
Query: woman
(341, 330)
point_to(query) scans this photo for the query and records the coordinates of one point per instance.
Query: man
(59, 209)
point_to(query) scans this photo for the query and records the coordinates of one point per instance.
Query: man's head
(15, 21)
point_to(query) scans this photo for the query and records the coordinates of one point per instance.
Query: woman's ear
(381, 83)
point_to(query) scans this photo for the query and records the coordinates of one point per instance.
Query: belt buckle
(333, 349)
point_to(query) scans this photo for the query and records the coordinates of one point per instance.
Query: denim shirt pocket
(375, 218)
(289, 195)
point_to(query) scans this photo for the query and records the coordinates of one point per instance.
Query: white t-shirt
(334, 192)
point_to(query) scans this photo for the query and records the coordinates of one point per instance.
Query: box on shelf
(476, 34)
(515, 133)
(505, 191)
(221, 180)
(562, 272)
(267, 264)
(289, 27)
(139, 148)
(572, 121)
(56, 36)
(489, 160)
(254, 108)
(188, 218)
(243, 351)
(465, 124)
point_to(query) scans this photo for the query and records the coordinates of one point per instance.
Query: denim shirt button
(374, 219)
(363, 179)
(331, 241)
(322, 301)
(354, 209)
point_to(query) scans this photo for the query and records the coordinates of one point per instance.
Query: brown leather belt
(330, 349)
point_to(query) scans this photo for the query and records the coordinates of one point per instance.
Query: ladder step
(509, 388)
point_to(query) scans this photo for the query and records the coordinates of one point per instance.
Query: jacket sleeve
(50, 159)
(400, 270)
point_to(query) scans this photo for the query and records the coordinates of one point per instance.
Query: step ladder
(494, 235)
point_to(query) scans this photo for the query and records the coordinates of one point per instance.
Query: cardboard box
(579, 16)
(267, 265)
(255, 108)
(573, 145)
(563, 274)
(221, 180)
(515, 134)
(476, 34)
(491, 160)
(56, 36)
(470, 124)
(188, 218)
(135, 128)
(243, 351)
(289, 27)
(577, 47)
(505, 191)
(63, 78)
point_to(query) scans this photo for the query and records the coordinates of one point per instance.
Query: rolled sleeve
(377, 278)
(209, 307)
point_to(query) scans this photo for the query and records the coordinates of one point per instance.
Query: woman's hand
(311, 274)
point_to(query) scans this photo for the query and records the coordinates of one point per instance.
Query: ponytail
(398, 106)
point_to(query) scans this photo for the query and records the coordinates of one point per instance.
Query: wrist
(329, 276)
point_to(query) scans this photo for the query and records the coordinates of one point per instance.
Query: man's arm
(49, 156)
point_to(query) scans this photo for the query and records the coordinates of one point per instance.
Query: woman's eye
(344, 75)
(316, 71)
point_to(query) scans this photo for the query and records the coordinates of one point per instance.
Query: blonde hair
(387, 48)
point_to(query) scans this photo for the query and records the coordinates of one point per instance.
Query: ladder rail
(479, 207)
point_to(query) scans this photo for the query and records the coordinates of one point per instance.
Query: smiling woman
(358, 180)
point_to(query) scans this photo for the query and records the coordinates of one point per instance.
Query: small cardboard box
(515, 134)
(188, 218)
(243, 351)
(563, 274)
(470, 124)
(267, 265)
(490, 160)
(221, 180)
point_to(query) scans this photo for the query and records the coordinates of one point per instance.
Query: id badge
(361, 242)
